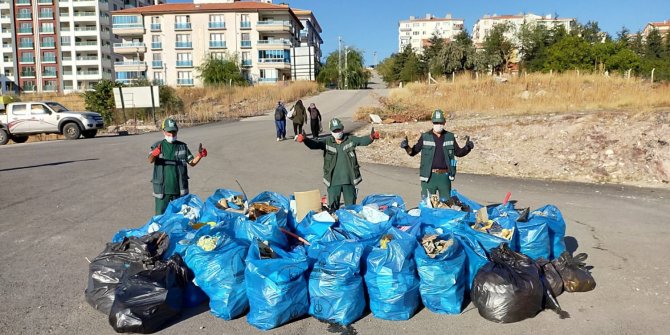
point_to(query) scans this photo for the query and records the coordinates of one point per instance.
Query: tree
(622, 37)
(215, 71)
(411, 70)
(356, 75)
(170, 101)
(590, 32)
(572, 52)
(498, 49)
(637, 44)
(624, 60)
(431, 53)
(385, 69)
(101, 99)
(654, 45)
(534, 40)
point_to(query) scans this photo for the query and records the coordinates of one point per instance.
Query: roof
(429, 20)
(503, 17)
(307, 12)
(178, 8)
(660, 24)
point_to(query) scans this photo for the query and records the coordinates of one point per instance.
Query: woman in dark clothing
(314, 120)
(299, 118)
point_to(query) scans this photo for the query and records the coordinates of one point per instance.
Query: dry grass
(530, 94)
(207, 104)
(73, 101)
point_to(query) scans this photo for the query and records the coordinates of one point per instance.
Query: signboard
(136, 97)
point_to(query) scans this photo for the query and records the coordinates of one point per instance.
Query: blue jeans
(281, 128)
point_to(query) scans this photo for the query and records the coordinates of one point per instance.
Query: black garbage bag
(509, 288)
(145, 301)
(551, 275)
(576, 277)
(119, 260)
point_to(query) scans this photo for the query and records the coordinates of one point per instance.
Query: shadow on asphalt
(187, 314)
(48, 164)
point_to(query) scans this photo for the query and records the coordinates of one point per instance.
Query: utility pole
(339, 63)
(346, 68)
(374, 55)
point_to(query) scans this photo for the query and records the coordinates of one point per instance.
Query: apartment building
(307, 56)
(167, 42)
(416, 32)
(59, 45)
(487, 22)
(662, 27)
(7, 50)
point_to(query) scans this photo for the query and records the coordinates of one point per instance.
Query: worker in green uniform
(341, 172)
(170, 159)
(438, 150)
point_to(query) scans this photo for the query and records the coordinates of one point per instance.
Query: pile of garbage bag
(254, 258)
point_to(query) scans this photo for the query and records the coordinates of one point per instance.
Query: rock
(112, 129)
(525, 95)
(375, 118)
(609, 152)
(540, 93)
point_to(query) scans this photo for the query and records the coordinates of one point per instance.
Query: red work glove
(301, 138)
(202, 152)
(374, 134)
(157, 151)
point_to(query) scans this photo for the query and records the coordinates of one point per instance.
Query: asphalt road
(61, 201)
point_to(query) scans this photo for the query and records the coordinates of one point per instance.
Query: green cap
(336, 124)
(169, 125)
(438, 116)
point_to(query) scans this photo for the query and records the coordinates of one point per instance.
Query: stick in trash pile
(302, 240)
(509, 194)
(242, 189)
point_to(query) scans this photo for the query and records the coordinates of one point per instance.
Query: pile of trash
(260, 257)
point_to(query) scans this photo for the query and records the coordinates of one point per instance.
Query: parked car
(21, 119)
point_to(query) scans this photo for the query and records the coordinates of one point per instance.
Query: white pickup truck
(20, 119)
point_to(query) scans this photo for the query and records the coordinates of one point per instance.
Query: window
(48, 42)
(184, 78)
(49, 71)
(25, 28)
(183, 41)
(157, 60)
(49, 85)
(37, 109)
(46, 13)
(218, 55)
(26, 42)
(182, 22)
(21, 109)
(244, 21)
(65, 40)
(216, 21)
(49, 56)
(416, 33)
(46, 27)
(28, 57)
(274, 56)
(28, 71)
(217, 41)
(158, 78)
(156, 19)
(246, 58)
(184, 60)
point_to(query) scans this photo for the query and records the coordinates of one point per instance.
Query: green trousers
(161, 204)
(334, 192)
(438, 182)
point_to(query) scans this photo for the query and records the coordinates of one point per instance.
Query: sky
(372, 25)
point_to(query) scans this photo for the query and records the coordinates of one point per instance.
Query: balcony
(28, 31)
(47, 30)
(49, 59)
(245, 25)
(64, 29)
(49, 88)
(49, 74)
(45, 2)
(182, 26)
(85, 3)
(67, 73)
(268, 80)
(29, 88)
(86, 31)
(27, 60)
(156, 45)
(129, 48)
(86, 45)
(246, 62)
(155, 27)
(46, 15)
(184, 63)
(273, 26)
(184, 45)
(184, 81)
(48, 45)
(274, 44)
(128, 29)
(130, 66)
(27, 74)
(26, 45)
(84, 14)
(245, 44)
(24, 16)
(23, 2)
(157, 64)
(217, 44)
(217, 25)
(275, 63)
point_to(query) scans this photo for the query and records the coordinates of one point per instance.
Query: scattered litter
(434, 245)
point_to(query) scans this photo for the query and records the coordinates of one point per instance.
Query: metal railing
(245, 24)
(217, 44)
(182, 26)
(87, 43)
(273, 23)
(130, 63)
(277, 42)
(156, 45)
(88, 73)
(49, 73)
(21, 15)
(155, 27)
(46, 15)
(129, 45)
(274, 60)
(184, 45)
(49, 59)
(246, 62)
(245, 44)
(27, 60)
(26, 45)
(127, 26)
(25, 30)
(157, 64)
(47, 31)
(87, 58)
(217, 25)
(184, 63)
(185, 81)
(27, 73)
(48, 45)
(84, 13)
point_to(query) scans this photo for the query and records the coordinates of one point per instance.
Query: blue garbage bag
(265, 228)
(534, 240)
(384, 200)
(443, 278)
(273, 199)
(220, 274)
(336, 291)
(151, 226)
(188, 206)
(360, 227)
(474, 206)
(193, 296)
(443, 217)
(409, 222)
(276, 287)
(211, 211)
(475, 254)
(311, 229)
(391, 278)
(555, 224)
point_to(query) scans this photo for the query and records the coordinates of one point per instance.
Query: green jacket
(349, 144)
(182, 157)
(299, 114)
(428, 151)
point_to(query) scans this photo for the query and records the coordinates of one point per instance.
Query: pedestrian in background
(299, 118)
(280, 121)
(170, 159)
(314, 120)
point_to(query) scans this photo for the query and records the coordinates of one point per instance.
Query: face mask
(170, 139)
(438, 128)
(338, 136)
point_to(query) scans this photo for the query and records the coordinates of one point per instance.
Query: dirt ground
(594, 147)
